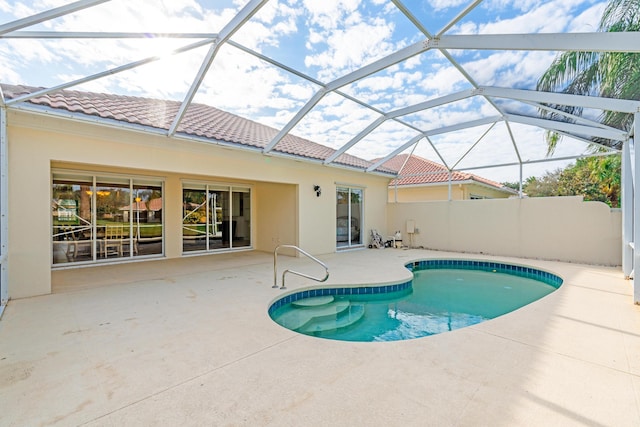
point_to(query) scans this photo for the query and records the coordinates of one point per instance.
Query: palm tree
(605, 74)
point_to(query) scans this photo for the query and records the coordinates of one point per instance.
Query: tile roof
(200, 121)
(154, 205)
(419, 171)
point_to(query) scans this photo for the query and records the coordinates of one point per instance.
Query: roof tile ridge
(67, 98)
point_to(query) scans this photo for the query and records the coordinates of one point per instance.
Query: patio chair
(75, 246)
(113, 240)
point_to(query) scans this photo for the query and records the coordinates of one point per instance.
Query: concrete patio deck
(188, 342)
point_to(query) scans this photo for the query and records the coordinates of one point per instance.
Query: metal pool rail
(275, 267)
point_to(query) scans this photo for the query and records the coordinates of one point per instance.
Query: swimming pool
(444, 295)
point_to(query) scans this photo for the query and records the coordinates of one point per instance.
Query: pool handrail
(275, 267)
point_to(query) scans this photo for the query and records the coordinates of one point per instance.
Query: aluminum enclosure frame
(4, 206)
(559, 42)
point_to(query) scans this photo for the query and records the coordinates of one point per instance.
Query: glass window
(194, 220)
(219, 213)
(71, 207)
(97, 218)
(147, 219)
(215, 217)
(241, 217)
(113, 220)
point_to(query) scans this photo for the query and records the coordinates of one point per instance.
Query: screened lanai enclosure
(453, 82)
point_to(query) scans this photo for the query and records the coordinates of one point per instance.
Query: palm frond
(606, 74)
(622, 14)
(564, 69)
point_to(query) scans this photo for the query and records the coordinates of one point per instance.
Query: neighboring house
(421, 180)
(94, 178)
(143, 211)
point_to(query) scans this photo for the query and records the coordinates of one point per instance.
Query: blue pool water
(444, 295)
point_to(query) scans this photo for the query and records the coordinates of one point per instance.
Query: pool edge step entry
(347, 318)
(313, 302)
(300, 316)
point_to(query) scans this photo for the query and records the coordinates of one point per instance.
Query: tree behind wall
(594, 178)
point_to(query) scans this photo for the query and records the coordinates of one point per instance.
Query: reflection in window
(215, 217)
(147, 219)
(105, 218)
(194, 220)
(71, 208)
(112, 198)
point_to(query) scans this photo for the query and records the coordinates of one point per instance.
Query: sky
(322, 40)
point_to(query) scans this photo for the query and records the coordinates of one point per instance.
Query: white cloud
(328, 14)
(297, 91)
(350, 48)
(439, 5)
(412, 62)
(274, 21)
(31, 51)
(21, 10)
(553, 16)
(588, 21)
(253, 87)
(386, 138)
(8, 74)
(509, 69)
(444, 80)
(326, 39)
(152, 16)
(384, 83)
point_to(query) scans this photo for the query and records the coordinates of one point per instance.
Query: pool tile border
(499, 267)
(354, 290)
(516, 270)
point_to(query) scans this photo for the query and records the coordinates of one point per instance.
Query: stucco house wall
(471, 190)
(285, 207)
(423, 193)
(427, 192)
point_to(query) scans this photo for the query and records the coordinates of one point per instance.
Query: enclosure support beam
(374, 67)
(4, 210)
(635, 159)
(520, 193)
(234, 25)
(627, 209)
(48, 15)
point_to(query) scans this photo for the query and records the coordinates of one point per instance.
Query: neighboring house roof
(421, 172)
(199, 121)
(154, 205)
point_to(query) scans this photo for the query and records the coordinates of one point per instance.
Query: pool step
(345, 319)
(313, 302)
(299, 317)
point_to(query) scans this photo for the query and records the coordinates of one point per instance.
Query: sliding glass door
(215, 217)
(194, 219)
(349, 204)
(146, 217)
(72, 207)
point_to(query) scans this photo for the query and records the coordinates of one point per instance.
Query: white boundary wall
(552, 228)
